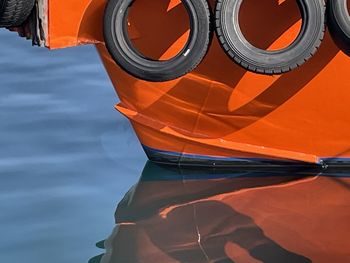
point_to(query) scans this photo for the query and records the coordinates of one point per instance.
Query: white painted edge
(43, 15)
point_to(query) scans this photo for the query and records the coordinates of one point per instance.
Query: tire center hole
(158, 29)
(270, 24)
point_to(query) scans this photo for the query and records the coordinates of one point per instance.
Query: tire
(128, 58)
(14, 12)
(338, 20)
(270, 62)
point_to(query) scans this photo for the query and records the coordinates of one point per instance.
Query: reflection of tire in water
(238, 48)
(14, 12)
(130, 59)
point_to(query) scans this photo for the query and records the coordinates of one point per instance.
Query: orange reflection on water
(186, 215)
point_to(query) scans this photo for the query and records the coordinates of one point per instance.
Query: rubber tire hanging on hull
(127, 57)
(338, 20)
(14, 12)
(270, 62)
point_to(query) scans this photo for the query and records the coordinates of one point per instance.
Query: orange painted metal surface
(220, 109)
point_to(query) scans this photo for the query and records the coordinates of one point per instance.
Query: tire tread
(249, 66)
(15, 12)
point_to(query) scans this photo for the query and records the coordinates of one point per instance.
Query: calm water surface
(66, 156)
(75, 185)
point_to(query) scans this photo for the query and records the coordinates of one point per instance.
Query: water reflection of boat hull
(188, 215)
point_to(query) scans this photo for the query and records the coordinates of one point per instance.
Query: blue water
(66, 156)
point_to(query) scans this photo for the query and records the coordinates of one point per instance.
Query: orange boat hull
(221, 113)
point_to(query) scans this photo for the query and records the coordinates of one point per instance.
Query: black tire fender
(262, 61)
(338, 20)
(129, 59)
(14, 12)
